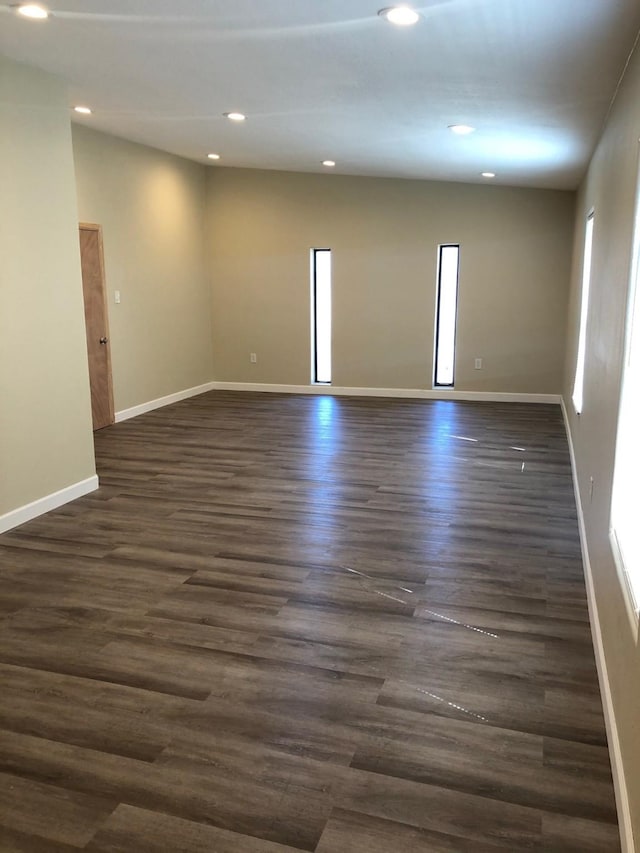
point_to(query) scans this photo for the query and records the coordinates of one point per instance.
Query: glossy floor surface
(306, 623)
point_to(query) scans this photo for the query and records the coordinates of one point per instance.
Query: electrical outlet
(478, 364)
(253, 358)
(117, 297)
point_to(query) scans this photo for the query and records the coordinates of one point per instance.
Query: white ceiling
(327, 79)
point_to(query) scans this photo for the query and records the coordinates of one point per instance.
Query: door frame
(93, 226)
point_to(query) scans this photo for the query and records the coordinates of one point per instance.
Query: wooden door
(97, 325)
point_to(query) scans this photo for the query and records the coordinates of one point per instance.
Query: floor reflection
(321, 488)
(451, 704)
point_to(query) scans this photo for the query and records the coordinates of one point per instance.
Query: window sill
(631, 604)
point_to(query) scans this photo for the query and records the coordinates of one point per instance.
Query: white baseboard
(410, 393)
(615, 752)
(134, 411)
(25, 513)
(338, 391)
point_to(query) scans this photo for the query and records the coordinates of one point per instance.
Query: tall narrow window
(321, 315)
(626, 477)
(578, 385)
(446, 310)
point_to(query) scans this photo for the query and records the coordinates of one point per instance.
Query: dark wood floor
(296, 623)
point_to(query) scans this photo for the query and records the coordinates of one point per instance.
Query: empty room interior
(320, 374)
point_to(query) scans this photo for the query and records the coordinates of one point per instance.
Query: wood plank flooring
(306, 624)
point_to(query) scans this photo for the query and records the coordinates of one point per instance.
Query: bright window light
(321, 315)
(626, 478)
(446, 311)
(578, 385)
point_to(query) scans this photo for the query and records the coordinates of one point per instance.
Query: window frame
(438, 318)
(314, 317)
(577, 394)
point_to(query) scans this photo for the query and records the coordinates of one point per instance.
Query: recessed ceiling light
(328, 162)
(461, 129)
(213, 156)
(85, 111)
(488, 174)
(235, 116)
(33, 11)
(401, 16)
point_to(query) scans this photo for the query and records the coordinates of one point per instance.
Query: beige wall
(46, 443)
(609, 189)
(151, 206)
(515, 263)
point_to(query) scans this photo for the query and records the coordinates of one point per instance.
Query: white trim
(134, 411)
(615, 752)
(25, 513)
(411, 393)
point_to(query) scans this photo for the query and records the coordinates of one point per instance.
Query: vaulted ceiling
(322, 79)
